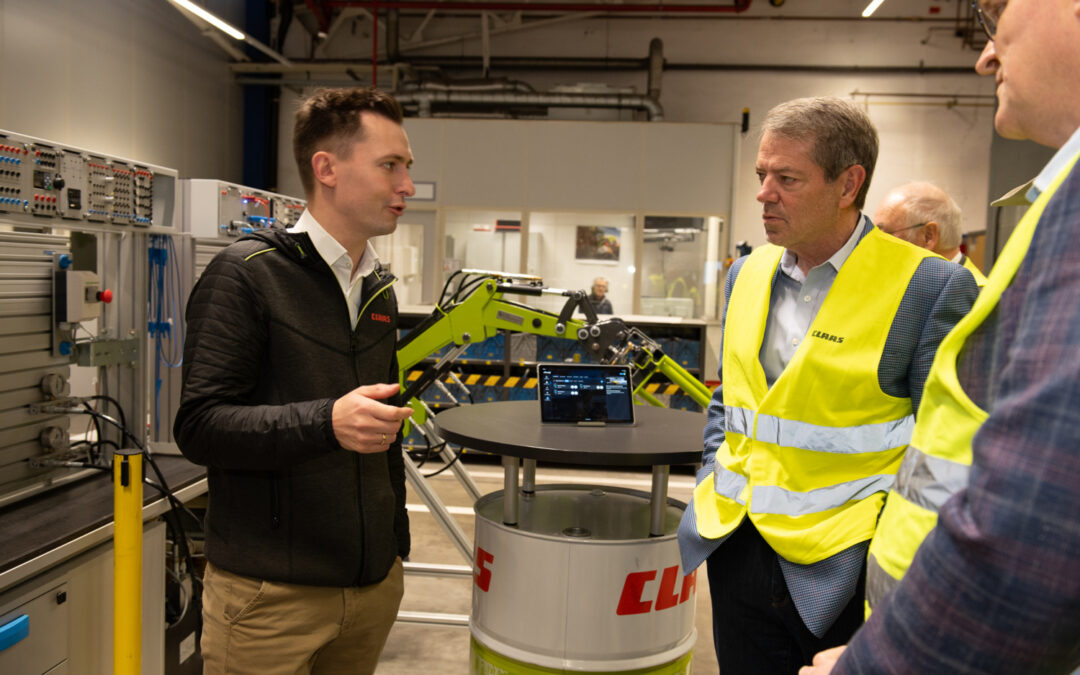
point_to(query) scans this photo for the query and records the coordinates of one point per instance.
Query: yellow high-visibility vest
(811, 458)
(938, 462)
(980, 278)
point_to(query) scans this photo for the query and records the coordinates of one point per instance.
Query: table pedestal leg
(510, 490)
(528, 476)
(658, 500)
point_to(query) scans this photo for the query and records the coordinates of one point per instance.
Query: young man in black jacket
(291, 400)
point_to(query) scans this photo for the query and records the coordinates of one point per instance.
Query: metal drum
(579, 586)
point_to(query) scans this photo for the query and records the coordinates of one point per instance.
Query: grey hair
(925, 202)
(841, 132)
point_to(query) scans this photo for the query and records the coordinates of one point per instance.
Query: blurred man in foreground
(994, 587)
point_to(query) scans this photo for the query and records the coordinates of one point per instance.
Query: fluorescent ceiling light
(870, 9)
(216, 22)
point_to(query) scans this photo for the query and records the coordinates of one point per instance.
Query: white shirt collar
(789, 263)
(331, 250)
(1055, 166)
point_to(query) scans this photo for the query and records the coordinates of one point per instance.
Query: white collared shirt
(1055, 166)
(335, 255)
(795, 301)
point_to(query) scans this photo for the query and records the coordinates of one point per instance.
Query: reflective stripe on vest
(879, 437)
(738, 420)
(810, 458)
(878, 582)
(929, 481)
(729, 484)
(937, 464)
(774, 500)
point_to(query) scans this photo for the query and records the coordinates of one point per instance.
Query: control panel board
(214, 209)
(42, 181)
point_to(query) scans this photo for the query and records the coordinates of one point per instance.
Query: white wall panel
(561, 165)
(687, 168)
(427, 164)
(131, 78)
(288, 177)
(584, 165)
(484, 163)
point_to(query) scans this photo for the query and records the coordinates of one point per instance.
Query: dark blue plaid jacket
(995, 588)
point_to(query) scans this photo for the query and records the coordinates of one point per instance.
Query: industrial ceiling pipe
(489, 86)
(393, 36)
(509, 63)
(375, 44)
(656, 67)
(425, 99)
(512, 92)
(736, 6)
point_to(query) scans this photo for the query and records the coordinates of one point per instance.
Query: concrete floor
(437, 650)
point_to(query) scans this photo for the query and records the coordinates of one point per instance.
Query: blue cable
(165, 304)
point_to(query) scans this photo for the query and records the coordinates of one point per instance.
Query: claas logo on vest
(826, 336)
(383, 318)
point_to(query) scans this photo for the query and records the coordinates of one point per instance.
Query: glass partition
(484, 240)
(571, 250)
(678, 275)
(407, 252)
(678, 259)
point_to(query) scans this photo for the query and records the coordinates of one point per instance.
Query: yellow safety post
(127, 562)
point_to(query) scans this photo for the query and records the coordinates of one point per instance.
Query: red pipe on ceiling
(316, 8)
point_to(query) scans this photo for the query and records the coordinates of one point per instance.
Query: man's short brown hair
(840, 131)
(330, 120)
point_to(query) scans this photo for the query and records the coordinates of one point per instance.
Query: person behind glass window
(598, 296)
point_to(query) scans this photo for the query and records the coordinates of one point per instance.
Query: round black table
(661, 437)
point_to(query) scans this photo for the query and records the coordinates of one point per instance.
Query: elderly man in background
(923, 214)
(598, 296)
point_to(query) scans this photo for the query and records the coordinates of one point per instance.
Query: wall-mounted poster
(597, 244)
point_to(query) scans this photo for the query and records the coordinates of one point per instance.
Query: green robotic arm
(649, 358)
(482, 311)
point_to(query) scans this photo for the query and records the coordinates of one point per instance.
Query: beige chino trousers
(271, 628)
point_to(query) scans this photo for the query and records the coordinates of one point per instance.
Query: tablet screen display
(587, 394)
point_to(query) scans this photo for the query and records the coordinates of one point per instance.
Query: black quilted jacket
(269, 349)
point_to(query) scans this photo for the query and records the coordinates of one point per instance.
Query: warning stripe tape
(519, 382)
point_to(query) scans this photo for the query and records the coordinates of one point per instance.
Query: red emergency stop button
(105, 296)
